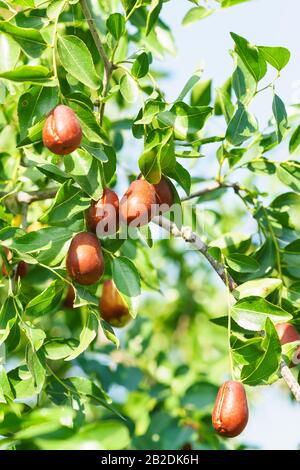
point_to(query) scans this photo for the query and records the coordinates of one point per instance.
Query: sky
(274, 419)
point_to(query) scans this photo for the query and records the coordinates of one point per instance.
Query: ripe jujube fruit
(85, 263)
(70, 297)
(103, 215)
(230, 413)
(62, 132)
(138, 204)
(113, 308)
(21, 270)
(22, 267)
(287, 333)
(164, 195)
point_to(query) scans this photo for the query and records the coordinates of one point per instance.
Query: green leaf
(257, 287)
(152, 108)
(55, 8)
(223, 104)
(201, 93)
(36, 74)
(22, 383)
(86, 171)
(232, 242)
(68, 202)
(95, 149)
(29, 39)
(251, 313)
(153, 14)
(295, 140)
(104, 435)
(77, 60)
(41, 240)
(291, 257)
(35, 335)
(260, 370)
(109, 332)
(251, 57)
(241, 127)
(150, 166)
(243, 83)
(181, 176)
(126, 277)
(280, 117)
(278, 57)
(36, 366)
(10, 52)
(129, 88)
(245, 351)
(84, 297)
(48, 169)
(59, 348)
(33, 106)
(230, 3)
(289, 174)
(8, 316)
(184, 119)
(196, 14)
(140, 66)
(188, 154)
(88, 122)
(190, 84)
(5, 389)
(116, 25)
(242, 263)
(86, 387)
(47, 301)
(87, 335)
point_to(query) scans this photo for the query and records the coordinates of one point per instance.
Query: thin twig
(189, 236)
(32, 196)
(290, 380)
(214, 187)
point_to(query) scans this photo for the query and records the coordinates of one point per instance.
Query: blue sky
(274, 422)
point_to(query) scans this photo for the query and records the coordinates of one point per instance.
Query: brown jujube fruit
(70, 297)
(287, 333)
(230, 413)
(62, 132)
(22, 267)
(113, 308)
(104, 211)
(85, 263)
(138, 202)
(164, 194)
(21, 270)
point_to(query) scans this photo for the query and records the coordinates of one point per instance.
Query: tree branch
(108, 66)
(290, 380)
(32, 196)
(213, 187)
(189, 236)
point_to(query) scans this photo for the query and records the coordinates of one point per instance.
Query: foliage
(65, 381)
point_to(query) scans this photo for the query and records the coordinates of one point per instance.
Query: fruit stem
(229, 320)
